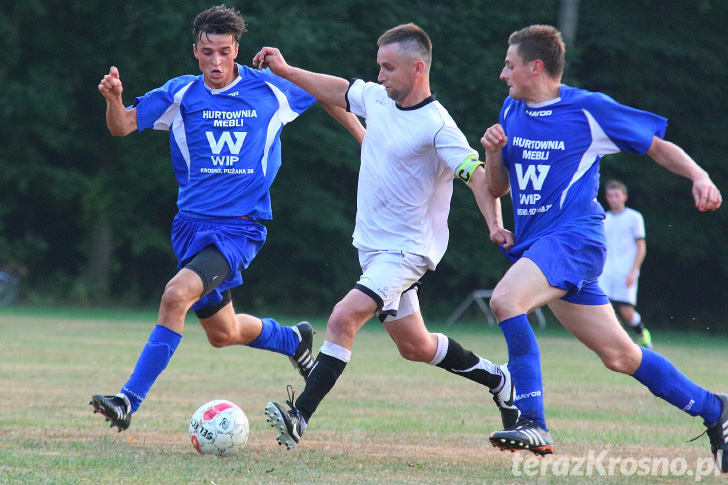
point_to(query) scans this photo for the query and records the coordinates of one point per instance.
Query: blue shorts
(571, 259)
(239, 240)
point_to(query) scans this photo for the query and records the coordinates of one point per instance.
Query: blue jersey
(225, 144)
(553, 153)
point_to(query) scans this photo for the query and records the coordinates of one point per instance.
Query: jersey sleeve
(355, 97)
(630, 129)
(639, 226)
(452, 146)
(152, 107)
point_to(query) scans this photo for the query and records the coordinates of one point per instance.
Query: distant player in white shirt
(410, 155)
(624, 229)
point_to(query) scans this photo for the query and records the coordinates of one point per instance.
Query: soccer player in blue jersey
(546, 150)
(224, 138)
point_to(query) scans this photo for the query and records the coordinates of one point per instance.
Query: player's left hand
(706, 194)
(272, 58)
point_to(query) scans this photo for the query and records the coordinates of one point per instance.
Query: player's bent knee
(341, 327)
(218, 334)
(343, 320)
(219, 339)
(502, 306)
(625, 363)
(414, 353)
(176, 295)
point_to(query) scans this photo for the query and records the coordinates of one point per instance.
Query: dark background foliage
(85, 218)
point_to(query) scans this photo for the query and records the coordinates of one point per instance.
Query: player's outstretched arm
(348, 120)
(672, 157)
(327, 89)
(493, 141)
(120, 121)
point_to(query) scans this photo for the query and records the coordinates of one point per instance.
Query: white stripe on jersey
(284, 115)
(601, 145)
(171, 117)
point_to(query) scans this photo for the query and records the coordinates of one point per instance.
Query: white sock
(336, 351)
(442, 344)
(636, 319)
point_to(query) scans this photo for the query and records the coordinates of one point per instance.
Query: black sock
(639, 328)
(324, 374)
(457, 360)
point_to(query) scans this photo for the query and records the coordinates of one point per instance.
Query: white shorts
(617, 290)
(389, 277)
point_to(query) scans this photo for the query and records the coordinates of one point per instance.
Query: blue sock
(153, 360)
(664, 380)
(524, 363)
(276, 338)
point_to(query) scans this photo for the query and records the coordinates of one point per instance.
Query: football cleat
(645, 339)
(302, 360)
(718, 435)
(504, 399)
(117, 409)
(524, 435)
(290, 424)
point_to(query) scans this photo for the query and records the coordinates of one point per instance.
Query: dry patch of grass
(387, 420)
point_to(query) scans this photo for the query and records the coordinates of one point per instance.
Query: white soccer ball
(219, 428)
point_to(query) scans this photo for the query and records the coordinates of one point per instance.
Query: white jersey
(408, 160)
(622, 230)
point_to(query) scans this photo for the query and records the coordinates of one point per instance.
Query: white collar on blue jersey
(226, 88)
(545, 103)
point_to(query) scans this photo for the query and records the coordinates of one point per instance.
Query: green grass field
(386, 421)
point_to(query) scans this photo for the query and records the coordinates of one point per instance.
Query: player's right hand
(494, 138)
(110, 86)
(503, 237)
(706, 194)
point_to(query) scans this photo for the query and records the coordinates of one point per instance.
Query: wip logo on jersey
(530, 175)
(536, 180)
(226, 139)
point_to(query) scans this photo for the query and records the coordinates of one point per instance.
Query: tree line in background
(85, 218)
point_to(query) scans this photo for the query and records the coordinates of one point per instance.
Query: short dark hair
(412, 38)
(615, 185)
(542, 42)
(219, 20)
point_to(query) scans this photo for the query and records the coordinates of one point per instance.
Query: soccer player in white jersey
(410, 154)
(224, 138)
(546, 150)
(624, 229)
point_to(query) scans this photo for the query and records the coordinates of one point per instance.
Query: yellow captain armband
(465, 171)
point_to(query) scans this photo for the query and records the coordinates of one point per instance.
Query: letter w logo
(226, 139)
(530, 174)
